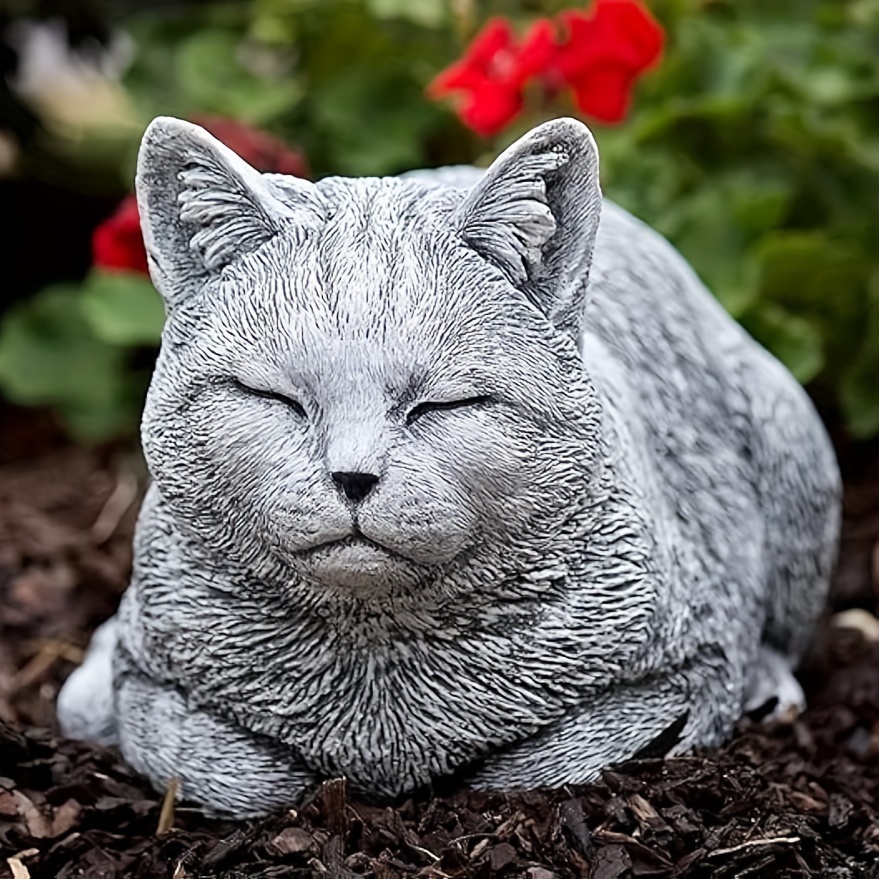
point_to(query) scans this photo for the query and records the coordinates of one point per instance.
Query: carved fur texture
(457, 472)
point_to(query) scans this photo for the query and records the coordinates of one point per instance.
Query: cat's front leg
(221, 766)
(652, 718)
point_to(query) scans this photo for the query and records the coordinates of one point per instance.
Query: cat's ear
(202, 206)
(535, 215)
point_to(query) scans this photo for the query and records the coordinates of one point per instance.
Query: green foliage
(68, 347)
(122, 308)
(754, 146)
(343, 79)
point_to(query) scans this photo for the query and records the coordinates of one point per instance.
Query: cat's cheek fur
(529, 478)
(260, 460)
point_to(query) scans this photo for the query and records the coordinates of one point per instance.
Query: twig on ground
(166, 816)
(115, 507)
(48, 653)
(754, 843)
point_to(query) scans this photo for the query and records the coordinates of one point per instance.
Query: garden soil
(799, 798)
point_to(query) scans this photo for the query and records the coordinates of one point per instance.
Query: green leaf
(700, 226)
(859, 389)
(213, 78)
(49, 357)
(122, 308)
(370, 133)
(823, 281)
(859, 395)
(794, 340)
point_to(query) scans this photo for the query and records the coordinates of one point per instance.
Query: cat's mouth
(356, 562)
(352, 542)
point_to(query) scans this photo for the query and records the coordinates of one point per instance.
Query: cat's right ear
(202, 207)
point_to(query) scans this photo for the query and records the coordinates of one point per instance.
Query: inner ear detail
(511, 221)
(202, 206)
(535, 215)
(228, 218)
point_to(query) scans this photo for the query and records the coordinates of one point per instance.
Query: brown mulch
(800, 799)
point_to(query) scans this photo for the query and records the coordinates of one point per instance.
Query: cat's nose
(356, 486)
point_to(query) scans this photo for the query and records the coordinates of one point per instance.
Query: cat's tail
(85, 703)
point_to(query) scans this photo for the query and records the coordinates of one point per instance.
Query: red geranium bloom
(118, 243)
(604, 52)
(600, 55)
(491, 76)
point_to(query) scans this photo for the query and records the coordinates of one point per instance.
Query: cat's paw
(773, 693)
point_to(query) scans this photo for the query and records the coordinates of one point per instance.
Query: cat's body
(502, 527)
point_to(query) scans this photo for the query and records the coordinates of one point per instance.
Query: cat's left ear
(202, 207)
(535, 215)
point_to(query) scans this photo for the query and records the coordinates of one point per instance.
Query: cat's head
(370, 382)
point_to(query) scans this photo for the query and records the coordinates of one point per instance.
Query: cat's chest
(392, 704)
(391, 716)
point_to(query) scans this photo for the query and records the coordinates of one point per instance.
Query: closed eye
(424, 408)
(295, 405)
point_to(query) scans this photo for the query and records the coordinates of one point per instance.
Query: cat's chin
(359, 565)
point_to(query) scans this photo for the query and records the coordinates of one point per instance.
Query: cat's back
(669, 360)
(648, 309)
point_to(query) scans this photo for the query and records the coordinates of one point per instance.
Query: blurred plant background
(752, 143)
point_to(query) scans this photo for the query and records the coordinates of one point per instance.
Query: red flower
(117, 243)
(491, 76)
(600, 55)
(604, 52)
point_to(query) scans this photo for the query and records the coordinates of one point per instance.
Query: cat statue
(458, 472)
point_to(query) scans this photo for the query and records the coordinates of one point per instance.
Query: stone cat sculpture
(458, 472)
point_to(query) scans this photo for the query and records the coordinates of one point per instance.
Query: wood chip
(860, 620)
(116, 506)
(500, 856)
(19, 871)
(642, 810)
(37, 823)
(334, 796)
(16, 865)
(611, 862)
(754, 843)
(292, 840)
